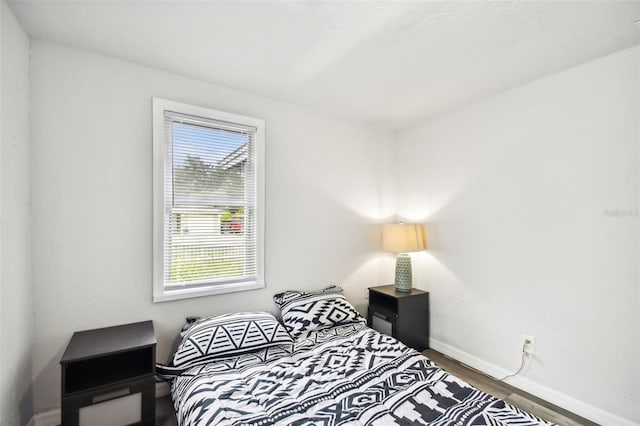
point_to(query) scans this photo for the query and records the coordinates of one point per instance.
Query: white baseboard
(48, 418)
(553, 396)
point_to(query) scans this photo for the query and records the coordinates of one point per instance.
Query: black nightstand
(109, 374)
(405, 314)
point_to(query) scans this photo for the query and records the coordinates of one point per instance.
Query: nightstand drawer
(382, 323)
(125, 401)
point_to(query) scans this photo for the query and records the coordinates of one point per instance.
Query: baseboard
(553, 396)
(48, 418)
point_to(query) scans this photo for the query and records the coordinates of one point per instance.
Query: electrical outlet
(529, 344)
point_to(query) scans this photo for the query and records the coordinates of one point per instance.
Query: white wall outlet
(529, 344)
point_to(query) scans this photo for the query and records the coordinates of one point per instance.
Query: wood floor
(166, 417)
(513, 396)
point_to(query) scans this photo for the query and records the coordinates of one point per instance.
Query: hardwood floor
(166, 417)
(512, 395)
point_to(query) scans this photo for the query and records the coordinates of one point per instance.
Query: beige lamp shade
(403, 237)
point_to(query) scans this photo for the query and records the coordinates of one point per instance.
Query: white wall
(91, 162)
(16, 308)
(531, 202)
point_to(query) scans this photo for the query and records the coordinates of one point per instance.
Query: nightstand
(108, 376)
(404, 316)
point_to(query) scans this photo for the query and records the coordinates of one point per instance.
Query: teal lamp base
(404, 278)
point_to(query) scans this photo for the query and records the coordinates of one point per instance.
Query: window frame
(160, 292)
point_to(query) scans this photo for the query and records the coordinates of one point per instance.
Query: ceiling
(383, 63)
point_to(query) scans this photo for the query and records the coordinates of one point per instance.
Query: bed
(309, 371)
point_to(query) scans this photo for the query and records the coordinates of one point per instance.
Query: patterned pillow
(228, 335)
(303, 312)
(282, 299)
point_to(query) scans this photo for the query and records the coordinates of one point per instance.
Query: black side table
(110, 372)
(406, 314)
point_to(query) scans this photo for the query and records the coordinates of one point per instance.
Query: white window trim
(160, 293)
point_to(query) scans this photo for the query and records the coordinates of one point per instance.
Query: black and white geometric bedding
(346, 375)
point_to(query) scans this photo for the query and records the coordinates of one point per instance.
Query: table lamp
(402, 238)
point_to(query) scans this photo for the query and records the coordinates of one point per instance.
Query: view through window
(211, 203)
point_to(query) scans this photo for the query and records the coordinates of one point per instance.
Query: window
(208, 206)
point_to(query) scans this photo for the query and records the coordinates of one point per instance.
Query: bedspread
(347, 375)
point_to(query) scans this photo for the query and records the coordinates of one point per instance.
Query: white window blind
(211, 202)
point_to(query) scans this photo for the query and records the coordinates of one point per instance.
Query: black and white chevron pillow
(282, 299)
(307, 311)
(229, 335)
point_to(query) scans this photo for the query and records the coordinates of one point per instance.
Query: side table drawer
(127, 403)
(382, 323)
